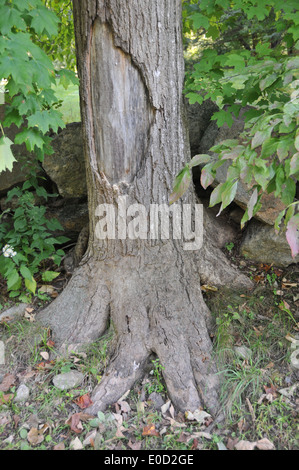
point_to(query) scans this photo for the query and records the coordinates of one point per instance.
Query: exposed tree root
(155, 307)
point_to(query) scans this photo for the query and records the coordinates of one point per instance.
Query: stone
(68, 380)
(66, 167)
(72, 215)
(262, 244)
(199, 117)
(22, 394)
(156, 400)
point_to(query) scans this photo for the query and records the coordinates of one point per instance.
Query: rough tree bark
(130, 61)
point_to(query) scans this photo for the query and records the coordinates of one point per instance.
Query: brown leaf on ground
(7, 382)
(245, 445)
(195, 444)
(75, 421)
(271, 389)
(135, 445)
(124, 406)
(45, 365)
(150, 430)
(35, 436)
(231, 443)
(6, 398)
(265, 444)
(262, 444)
(59, 446)
(84, 401)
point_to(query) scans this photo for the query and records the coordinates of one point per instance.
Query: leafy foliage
(26, 31)
(61, 49)
(28, 244)
(28, 73)
(249, 59)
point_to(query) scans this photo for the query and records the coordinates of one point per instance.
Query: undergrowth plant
(248, 59)
(27, 245)
(27, 29)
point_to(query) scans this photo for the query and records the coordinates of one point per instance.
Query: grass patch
(250, 394)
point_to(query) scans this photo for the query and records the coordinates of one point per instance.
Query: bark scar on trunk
(122, 113)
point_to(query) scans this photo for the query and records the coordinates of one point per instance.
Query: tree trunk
(131, 70)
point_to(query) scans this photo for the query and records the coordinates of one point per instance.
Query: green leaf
(194, 98)
(32, 139)
(216, 195)
(260, 137)
(9, 18)
(283, 147)
(223, 117)
(268, 81)
(236, 61)
(44, 21)
(200, 21)
(181, 184)
(13, 280)
(228, 195)
(289, 192)
(31, 285)
(46, 120)
(251, 203)
(207, 175)
(49, 276)
(294, 164)
(6, 156)
(263, 49)
(199, 159)
(26, 273)
(66, 77)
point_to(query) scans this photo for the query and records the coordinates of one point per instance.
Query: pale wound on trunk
(122, 114)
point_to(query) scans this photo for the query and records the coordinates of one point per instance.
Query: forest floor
(254, 337)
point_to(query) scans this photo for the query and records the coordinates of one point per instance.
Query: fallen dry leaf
(135, 445)
(271, 390)
(195, 444)
(119, 433)
(50, 343)
(7, 382)
(262, 444)
(4, 420)
(265, 444)
(150, 430)
(76, 444)
(245, 445)
(29, 309)
(45, 355)
(59, 446)
(89, 440)
(45, 365)
(35, 436)
(231, 443)
(208, 288)
(4, 399)
(75, 421)
(125, 407)
(202, 417)
(29, 315)
(84, 401)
